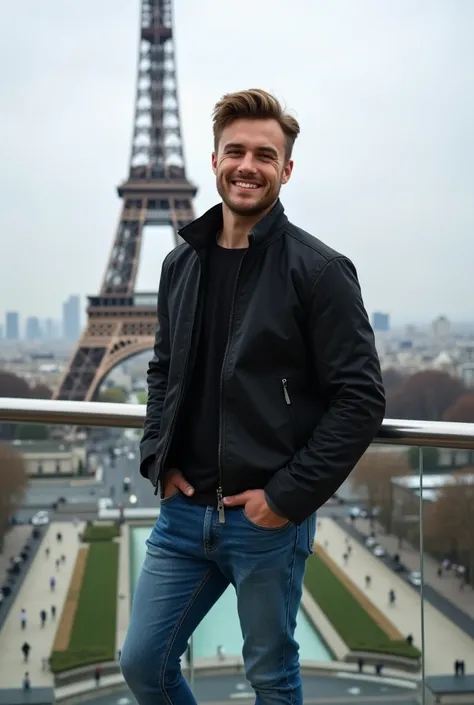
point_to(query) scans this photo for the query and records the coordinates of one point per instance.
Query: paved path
(444, 641)
(35, 595)
(448, 586)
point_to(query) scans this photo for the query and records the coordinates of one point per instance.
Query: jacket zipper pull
(220, 506)
(284, 383)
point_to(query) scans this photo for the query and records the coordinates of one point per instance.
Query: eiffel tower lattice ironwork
(121, 322)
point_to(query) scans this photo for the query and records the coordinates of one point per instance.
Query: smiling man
(264, 392)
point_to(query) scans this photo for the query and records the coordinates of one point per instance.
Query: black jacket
(301, 389)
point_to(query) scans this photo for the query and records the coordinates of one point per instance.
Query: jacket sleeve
(157, 378)
(342, 346)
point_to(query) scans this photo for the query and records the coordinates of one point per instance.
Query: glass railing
(388, 605)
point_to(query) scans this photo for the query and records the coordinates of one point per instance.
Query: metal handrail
(89, 413)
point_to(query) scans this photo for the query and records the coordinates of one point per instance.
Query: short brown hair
(254, 104)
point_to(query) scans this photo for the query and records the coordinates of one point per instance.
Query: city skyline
(380, 166)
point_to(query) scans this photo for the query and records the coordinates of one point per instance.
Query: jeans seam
(174, 633)
(288, 602)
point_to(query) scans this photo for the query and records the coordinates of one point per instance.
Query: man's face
(250, 165)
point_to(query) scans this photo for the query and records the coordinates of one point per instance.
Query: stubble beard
(262, 205)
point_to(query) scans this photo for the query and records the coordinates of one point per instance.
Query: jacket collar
(202, 231)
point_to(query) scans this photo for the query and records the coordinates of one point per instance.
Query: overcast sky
(383, 167)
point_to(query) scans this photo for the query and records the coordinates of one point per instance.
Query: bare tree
(462, 410)
(425, 396)
(449, 523)
(13, 483)
(373, 474)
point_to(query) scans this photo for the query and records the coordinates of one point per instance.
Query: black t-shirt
(195, 445)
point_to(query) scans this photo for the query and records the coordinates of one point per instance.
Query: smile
(246, 184)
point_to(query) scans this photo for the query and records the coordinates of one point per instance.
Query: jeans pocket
(167, 500)
(264, 528)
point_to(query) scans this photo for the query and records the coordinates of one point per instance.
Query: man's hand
(256, 508)
(175, 482)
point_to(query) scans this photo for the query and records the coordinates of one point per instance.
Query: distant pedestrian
(98, 675)
(368, 581)
(57, 563)
(26, 681)
(52, 583)
(410, 639)
(47, 551)
(26, 648)
(59, 537)
(360, 664)
(53, 611)
(391, 597)
(345, 558)
(378, 669)
(43, 616)
(23, 618)
(63, 558)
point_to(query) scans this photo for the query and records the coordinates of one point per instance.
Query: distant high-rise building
(72, 318)
(441, 327)
(380, 322)
(32, 328)
(50, 329)
(12, 325)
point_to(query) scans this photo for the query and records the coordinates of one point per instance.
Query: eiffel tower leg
(95, 357)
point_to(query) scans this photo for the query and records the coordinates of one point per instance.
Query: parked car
(378, 551)
(40, 518)
(370, 542)
(414, 578)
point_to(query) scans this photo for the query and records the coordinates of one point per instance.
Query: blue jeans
(191, 559)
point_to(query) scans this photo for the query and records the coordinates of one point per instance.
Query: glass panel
(367, 539)
(77, 514)
(64, 580)
(448, 570)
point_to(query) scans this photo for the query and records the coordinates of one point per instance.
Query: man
(264, 392)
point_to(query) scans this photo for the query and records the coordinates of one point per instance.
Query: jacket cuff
(274, 508)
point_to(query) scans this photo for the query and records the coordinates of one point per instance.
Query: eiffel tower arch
(120, 321)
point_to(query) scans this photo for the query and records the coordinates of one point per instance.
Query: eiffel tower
(120, 321)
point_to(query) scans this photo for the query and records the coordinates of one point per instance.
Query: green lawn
(100, 532)
(142, 397)
(348, 617)
(93, 633)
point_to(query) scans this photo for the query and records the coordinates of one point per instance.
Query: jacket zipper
(220, 493)
(286, 394)
(284, 384)
(181, 388)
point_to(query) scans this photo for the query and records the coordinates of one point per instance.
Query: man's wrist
(273, 507)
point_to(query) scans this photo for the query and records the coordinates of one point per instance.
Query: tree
(448, 525)
(425, 396)
(373, 474)
(462, 410)
(392, 379)
(41, 391)
(31, 432)
(430, 458)
(13, 482)
(13, 386)
(114, 395)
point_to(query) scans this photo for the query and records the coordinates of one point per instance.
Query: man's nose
(247, 165)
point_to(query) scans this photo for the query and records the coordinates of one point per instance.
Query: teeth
(245, 184)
